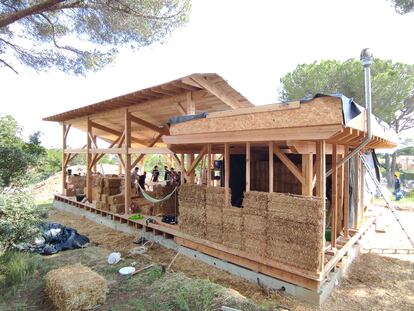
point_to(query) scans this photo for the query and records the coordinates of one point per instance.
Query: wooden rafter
(115, 132)
(181, 109)
(148, 124)
(289, 164)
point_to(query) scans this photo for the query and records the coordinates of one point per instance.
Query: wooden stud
(148, 125)
(346, 195)
(208, 165)
(182, 168)
(190, 104)
(362, 187)
(248, 155)
(334, 199)
(271, 186)
(227, 173)
(194, 162)
(64, 157)
(289, 164)
(321, 188)
(88, 161)
(356, 191)
(94, 162)
(127, 161)
(307, 173)
(340, 191)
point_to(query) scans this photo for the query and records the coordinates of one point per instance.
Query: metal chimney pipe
(366, 59)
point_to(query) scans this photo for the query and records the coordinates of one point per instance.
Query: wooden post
(64, 155)
(182, 168)
(190, 104)
(119, 168)
(127, 161)
(248, 166)
(321, 189)
(208, 165)
(88, 161)
(190, 162)
(346, 195)
(356, 191)
(227, 173)
(334, 199)
(271, 187)
(307, 172)
(94, 168)
(362, 186)
(340, 191)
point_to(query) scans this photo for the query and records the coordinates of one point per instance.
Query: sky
(251, 44)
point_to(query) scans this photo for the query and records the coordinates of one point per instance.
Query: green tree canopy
(403, 6)
(80, 35)
(392, 86)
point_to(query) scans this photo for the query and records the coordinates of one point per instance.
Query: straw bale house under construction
(267, 209)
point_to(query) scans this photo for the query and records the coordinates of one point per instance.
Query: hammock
(155, 200)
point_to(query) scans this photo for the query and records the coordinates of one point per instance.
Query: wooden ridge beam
(289, 164)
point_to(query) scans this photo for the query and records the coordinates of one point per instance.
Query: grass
(15, 267)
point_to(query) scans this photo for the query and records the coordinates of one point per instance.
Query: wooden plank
(346, 195)
(246, 262)
(191, 176)
(321, 186)
(127, 145)
(149, 125)
(227, 173)
(150, 150)
(261, 108)
(195, 162)
(334, 199)
(356, 191)
(208, 165)
(190, 104)
(88, 161)
(64, 156)
(307, 173)
(362, 187)
(289, 164)
(271, 170)
(182, 168)
(181, 109)
(116, 133)
(278, 134)
(248, 156)
(141, 156)
(340, 204)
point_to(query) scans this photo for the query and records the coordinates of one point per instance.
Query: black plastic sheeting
(55, 238)
(180, 119)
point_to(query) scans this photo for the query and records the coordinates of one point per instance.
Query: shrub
(19, 218)
(15, 267)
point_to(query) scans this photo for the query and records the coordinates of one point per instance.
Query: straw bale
(233, 239)
(194, 212)
(104, 198)
(295, 255)
(193, 228)
(214, 233)
(253, 244)
(111, 191)
(255, 203)
(232, 219)
(146, 209)
(297, 208)
(190, 192)
(254, 224)
(214, 215)
(70, 192)
(102, 206)
(308, 235)
(75, 287)
(216, 196)
(117, 208)
(116, 199)
(112, 182)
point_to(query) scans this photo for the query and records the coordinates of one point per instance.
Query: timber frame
(135, 125)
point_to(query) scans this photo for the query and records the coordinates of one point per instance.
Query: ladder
(385, 196)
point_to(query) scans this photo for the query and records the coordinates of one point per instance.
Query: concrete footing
(309, 296)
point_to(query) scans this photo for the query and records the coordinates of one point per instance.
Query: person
(397, 188)
(172, 178)
(141, 180)
(178, 178)
(155, 174)
(134, 178)
(166, 173)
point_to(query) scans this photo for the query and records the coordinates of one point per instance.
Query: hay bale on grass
(75, 288)
(255, 203)
(296, 208)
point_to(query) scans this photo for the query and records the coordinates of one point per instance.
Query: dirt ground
(375, 281)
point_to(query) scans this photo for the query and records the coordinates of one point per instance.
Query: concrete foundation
(309, 296)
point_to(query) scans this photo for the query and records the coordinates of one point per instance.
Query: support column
(362, 186)
(346, 195)
(227, 173)
(208, 165)
(94, 167)
(182, 159)
(340, 201)
(190, 162)
(88, 161)
(321, 189)
(356, 191)
(271, 186)
(334, 199)
(64, 155)
(127, 161)
(307, 173)
(248, 166)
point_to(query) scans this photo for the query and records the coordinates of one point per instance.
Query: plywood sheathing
(319, 111)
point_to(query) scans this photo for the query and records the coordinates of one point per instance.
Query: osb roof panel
(165, 91)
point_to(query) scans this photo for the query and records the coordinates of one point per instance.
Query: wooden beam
(271, 185)
(148, 125)
(362, 187)
(127, 145)
(65, 157)
(340, 204)
(289, 164)
(208, 165)
(248, 160)
(88, 161)
(116, 133)
(346, 196)
(334, 199)
(181, 109)
(182, 169)
(321, 189)
(227, 174)
(190, 105)
(282, 134)
(66, 131)
(95, 156)
(191, 176)
(141, 156)
(217, 91)
(356, 190)
(150, 150)
(195, 162)
(307, 173)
